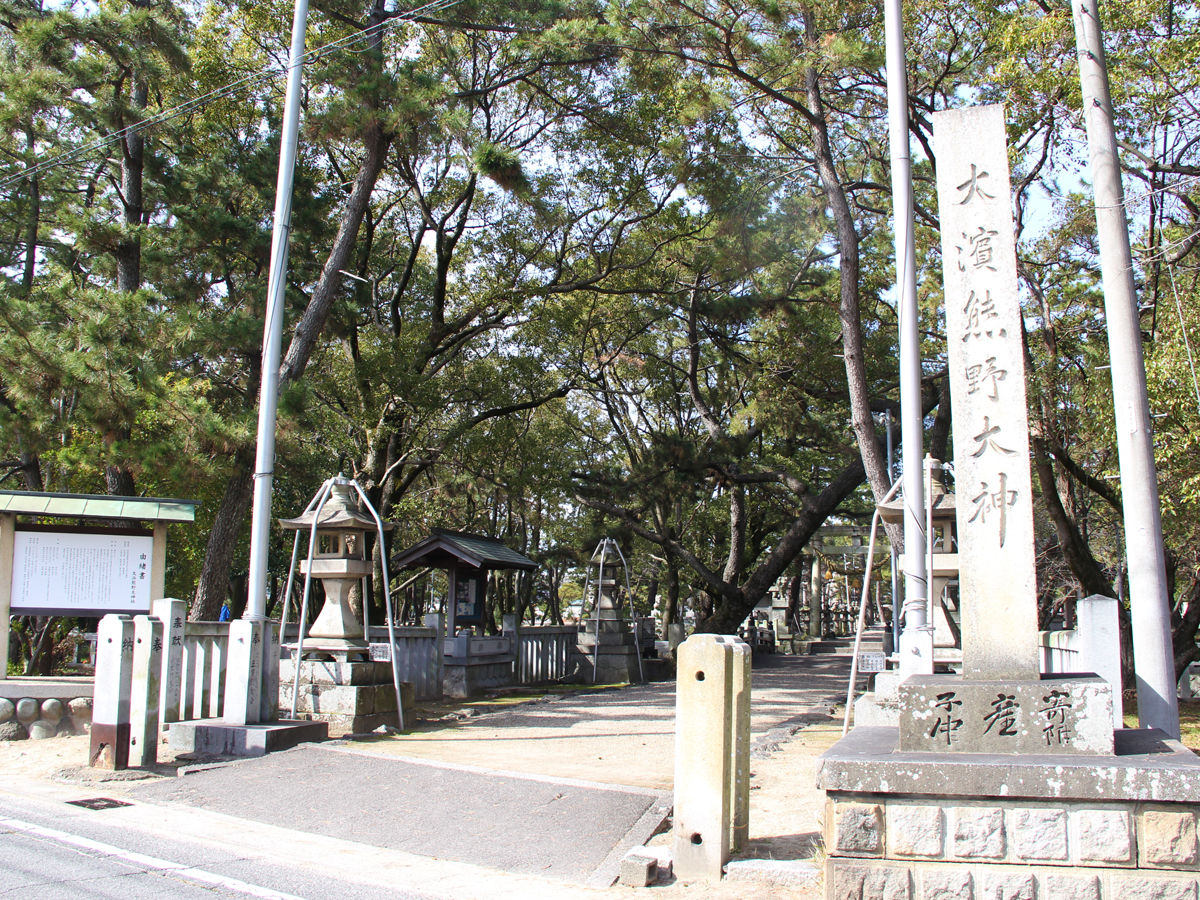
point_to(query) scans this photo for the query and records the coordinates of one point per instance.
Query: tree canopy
(561, 271)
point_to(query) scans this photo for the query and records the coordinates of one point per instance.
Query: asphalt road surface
(53, 851)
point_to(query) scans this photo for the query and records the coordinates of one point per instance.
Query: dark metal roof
(97, 506)
(443, 547)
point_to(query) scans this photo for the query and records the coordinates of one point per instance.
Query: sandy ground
(621, 736)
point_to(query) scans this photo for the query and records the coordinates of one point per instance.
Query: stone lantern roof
(340, 512)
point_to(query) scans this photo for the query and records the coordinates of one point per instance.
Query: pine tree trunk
(222, 542)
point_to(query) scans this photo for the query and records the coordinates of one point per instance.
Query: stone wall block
(1167, 838)
(1143, 888)
(888, 883)
(8, 709)
(1039, 834)
(946, 883)
(1103, 835)
(41, 730)
(858, 829)
(27, 710)
(1004, 884)
(915, 831)
(866, 882)
(12, 730)
(979, 832)
(52, 710)
(1069, 887)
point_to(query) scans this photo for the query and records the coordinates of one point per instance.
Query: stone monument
(608, 651)
(1001, 782)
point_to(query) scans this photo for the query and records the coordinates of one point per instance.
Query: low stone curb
(776, 872)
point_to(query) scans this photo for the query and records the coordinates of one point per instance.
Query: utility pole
(916, 642)
(1154, 658)
(242, 678)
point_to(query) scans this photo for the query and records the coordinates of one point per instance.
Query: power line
(227, 90)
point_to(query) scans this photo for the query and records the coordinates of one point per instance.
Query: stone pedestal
(352, 697)
(607, 651)
(919, 826)
(472, 665)
(617, 649)
(1061, 714)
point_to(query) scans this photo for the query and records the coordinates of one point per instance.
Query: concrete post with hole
(712, 754)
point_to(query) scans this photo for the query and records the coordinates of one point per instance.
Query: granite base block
(928, 826)
(466, 678)
(1057, 714)
(220, 739)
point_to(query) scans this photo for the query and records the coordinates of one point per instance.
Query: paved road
(521, 824)
(53, 851)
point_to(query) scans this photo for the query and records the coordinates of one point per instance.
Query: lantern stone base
(617, 648)
(469, 676)
(216, 738)
(919, 826)
(351, 697)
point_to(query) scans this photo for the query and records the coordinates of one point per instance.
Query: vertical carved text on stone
(972, 186)
(947, 724)
(1004, 715)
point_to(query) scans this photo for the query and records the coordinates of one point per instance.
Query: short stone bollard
(126, 699)
(712, 754)
(110, 702)
(144, 691)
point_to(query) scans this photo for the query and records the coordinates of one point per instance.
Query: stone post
(243, 698)
(740, 782)
(110, 703)
(145, 688)
(1100, 636)
(816, 614)
(711, 754)
(173, 615)
(269, 702)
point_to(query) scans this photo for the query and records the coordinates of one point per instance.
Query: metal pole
(862, 611)
(891, 453)
(916, 658)
(268, 398)
(1158, 705)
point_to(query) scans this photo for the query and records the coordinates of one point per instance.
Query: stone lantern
(331, 676)
(943, 561)
(338, 562)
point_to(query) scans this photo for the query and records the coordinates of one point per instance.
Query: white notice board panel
(73, 574)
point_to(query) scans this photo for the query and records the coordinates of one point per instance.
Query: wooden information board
(81, 573)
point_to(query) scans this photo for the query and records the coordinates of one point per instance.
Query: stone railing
(544, 653)
(418, 654)
(194, 658)
(1061, 652)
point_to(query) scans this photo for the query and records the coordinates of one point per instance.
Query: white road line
(148, 862)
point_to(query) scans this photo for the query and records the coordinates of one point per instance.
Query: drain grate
(99, 803)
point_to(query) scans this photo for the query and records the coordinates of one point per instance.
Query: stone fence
(544, 654)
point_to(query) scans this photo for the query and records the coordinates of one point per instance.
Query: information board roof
(98, 506)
